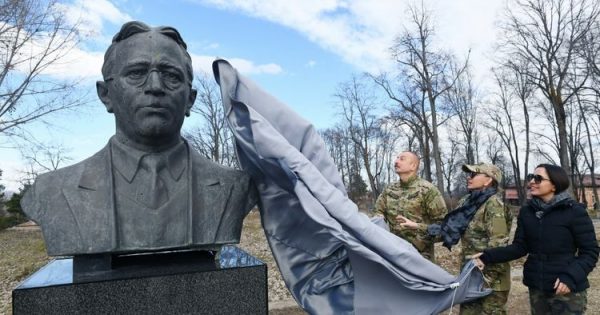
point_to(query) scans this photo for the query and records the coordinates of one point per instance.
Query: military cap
(490, 170)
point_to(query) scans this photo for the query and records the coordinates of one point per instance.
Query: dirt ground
(22, 252)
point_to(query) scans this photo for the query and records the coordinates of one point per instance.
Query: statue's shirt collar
(127, 159)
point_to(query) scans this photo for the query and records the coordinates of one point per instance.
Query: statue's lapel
(91, 203)
(210, 196)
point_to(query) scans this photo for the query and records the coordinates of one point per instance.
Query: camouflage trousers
(549, 303)
(493, 304)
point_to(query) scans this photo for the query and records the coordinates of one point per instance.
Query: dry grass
(23, 252)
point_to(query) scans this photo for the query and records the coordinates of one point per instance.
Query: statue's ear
(102, 91)
(191, 100)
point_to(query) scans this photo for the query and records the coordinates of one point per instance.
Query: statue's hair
(136, 27)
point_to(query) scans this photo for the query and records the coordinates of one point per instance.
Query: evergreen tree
(358, 188)
(13, 205)
(1, 192)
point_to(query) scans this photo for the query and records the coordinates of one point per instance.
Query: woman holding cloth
(559, 237)
(481, 221)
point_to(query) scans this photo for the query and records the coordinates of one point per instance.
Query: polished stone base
(236, 283)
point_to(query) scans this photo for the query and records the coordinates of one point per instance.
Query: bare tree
(427, 69)
(347, 157)
(451, 165)
(493, 148)
(211, 137)
(589, 161)
(42, 157)
(337, 142)
(461, 99)
(34, 36)
(389, 141)
(358, 106)
(411, 112)
(503, 120)
(575, 130)
(523, 90)
(550, 34)
(589, 105)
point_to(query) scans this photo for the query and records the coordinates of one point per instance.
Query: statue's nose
(153, 82)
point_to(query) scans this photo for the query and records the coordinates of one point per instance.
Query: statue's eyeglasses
(170, 78)
(536, 178)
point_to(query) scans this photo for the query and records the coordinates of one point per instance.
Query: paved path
(27, 226)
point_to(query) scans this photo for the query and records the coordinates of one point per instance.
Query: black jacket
(561, 243)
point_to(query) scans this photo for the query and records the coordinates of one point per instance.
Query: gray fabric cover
(333, 259)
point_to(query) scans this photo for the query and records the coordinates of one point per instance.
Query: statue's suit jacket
(75, 206)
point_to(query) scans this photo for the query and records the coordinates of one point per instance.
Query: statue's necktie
(152, 191)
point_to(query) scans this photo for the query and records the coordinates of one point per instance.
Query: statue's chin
(154, 130)
(158, 127)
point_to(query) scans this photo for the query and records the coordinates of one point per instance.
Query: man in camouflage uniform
(489, 227)
(415, 199)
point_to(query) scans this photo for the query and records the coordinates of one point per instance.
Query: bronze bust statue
(146, 190)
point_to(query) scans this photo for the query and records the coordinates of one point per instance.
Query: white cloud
(77, 62)
(84, 64)
(361, 31)
(91, 15)
(247, 67)
(57, 56)
(311, 63)
(212, 46)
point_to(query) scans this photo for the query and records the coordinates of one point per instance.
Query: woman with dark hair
(559, 237)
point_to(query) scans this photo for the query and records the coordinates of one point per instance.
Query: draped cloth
(333, 259)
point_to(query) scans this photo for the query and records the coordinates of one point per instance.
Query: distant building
(511, 196)
(588, 191)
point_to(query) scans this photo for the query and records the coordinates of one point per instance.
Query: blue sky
(297, 50)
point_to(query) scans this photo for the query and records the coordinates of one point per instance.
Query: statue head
(147, 85)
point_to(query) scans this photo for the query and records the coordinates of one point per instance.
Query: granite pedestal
(235, 283)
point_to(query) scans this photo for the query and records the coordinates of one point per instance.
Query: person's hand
(406, 223)
(478, 263)
(475, 256)
(561, 288)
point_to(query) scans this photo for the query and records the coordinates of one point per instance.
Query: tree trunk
(523, 193)
(426, 157)
(561, 124)
(437, 156)
(591, 164)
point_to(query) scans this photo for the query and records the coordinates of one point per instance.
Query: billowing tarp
(333, 259)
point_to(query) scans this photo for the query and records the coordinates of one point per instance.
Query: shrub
(8, 221)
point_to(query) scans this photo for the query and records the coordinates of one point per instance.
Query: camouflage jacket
(490, 227)
(419, 201)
